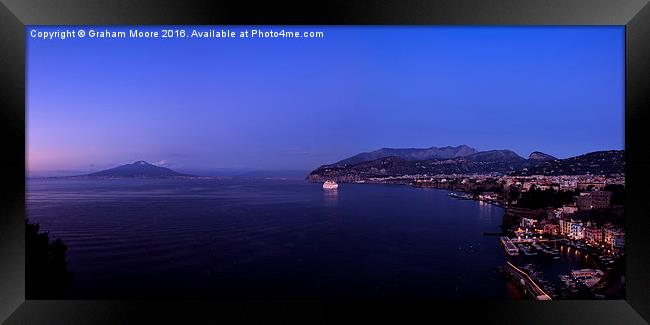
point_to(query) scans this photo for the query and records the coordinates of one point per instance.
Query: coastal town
(545, 218)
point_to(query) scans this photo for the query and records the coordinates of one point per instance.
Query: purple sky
(301, 103)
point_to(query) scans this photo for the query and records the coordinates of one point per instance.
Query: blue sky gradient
(301, 103)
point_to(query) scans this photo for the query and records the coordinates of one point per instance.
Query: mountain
(492, 161)
(595, 163)
(536, 155)
(137, 169)
(495, 156)
(410, 154)
(484, 162)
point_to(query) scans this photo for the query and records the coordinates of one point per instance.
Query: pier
(524, 279)
(510, 248)
(533, 240)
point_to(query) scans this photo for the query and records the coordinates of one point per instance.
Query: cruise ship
(330, 185)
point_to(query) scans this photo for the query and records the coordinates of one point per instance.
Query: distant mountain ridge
(137, 169)
(595, 163)
(483, 162)
(495, 156)
(410, 154)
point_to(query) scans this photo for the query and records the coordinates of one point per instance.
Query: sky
(278, 104)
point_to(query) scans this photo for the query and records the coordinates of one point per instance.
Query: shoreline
(555, 289)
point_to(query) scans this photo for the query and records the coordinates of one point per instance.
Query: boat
(551, 251)
(527, 250)
(569, 283)
(461, 196)
(330, 185)
(589, 277)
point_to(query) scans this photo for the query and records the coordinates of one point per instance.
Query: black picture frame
(15, 14)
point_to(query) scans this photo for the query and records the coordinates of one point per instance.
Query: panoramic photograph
(325, 162)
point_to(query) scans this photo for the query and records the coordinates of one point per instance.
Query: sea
(248, 238)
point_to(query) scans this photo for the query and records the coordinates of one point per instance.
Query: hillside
(486, 162)
(409, 154)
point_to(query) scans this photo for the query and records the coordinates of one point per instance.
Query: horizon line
(257, 169)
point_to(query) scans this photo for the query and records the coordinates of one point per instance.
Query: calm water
(269, 239)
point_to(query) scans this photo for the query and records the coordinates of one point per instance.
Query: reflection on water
(331, 197)
(275, 239)
(484, 210)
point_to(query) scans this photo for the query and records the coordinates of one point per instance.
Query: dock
(510, 248)
(525, 280)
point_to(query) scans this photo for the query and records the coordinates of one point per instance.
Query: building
(600, 199)
(584, 186)
(565, 226)
(573, 227)
(583, 201)
(525, 186)
(569, 209)
(488, 196)
(568, 186)
(593, 200)
(613, 233)
(552, 229)
(514, 215)
(547, 186)
(618, 241)
(576, 230)
(553, 213)
(527, 222)
(593, 234)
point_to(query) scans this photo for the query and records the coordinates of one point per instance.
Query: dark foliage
(618, 193)
(604, 216)
(513, 195)
(46, 273)
(595, 163)
(539, 199)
